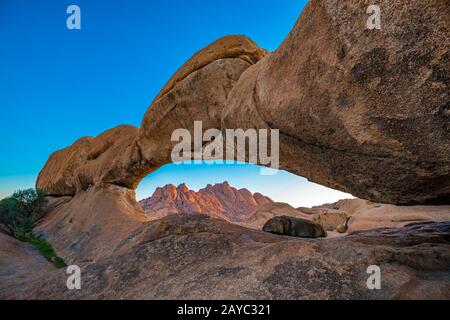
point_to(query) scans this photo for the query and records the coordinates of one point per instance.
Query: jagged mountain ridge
(219, 201)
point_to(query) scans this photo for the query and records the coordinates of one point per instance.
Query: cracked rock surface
(197, 257)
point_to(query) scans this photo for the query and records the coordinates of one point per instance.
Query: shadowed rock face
(365, 112)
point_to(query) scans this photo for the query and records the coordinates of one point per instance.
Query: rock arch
(362, 111)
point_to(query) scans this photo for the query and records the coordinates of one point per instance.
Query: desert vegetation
(20, 212)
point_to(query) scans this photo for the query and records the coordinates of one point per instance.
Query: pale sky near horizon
(58, 85)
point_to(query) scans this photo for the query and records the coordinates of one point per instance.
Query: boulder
(331, 219)
(265, 212)
(294, 227)
(349, 206)
(342, 228)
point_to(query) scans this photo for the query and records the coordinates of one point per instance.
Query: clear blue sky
(57, 85)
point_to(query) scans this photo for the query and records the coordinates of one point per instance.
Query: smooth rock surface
(365, 215)
(331, 220)
(362, 111)
(20, 263)
(294, 227)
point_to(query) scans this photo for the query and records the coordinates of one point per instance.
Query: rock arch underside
(362, 111)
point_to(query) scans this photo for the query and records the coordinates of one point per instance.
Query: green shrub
(45, 248)
(20, 212)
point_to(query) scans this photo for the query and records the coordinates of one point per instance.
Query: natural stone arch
(365, 112)
(124, 155)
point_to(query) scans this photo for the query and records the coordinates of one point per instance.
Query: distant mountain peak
(183, 188)
(220, 200)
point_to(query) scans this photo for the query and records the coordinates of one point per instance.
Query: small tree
(20, 212)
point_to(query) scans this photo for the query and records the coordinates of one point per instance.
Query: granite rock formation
(263, 213)
(198, 257)
(220, 201)
(362, 111)
(350, 215)
(294, 227)
(364, 215)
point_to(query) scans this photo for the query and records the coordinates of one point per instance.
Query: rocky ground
(198, 257)
(223, 201)
(124, 254)
(20, 263)
(353, 215)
